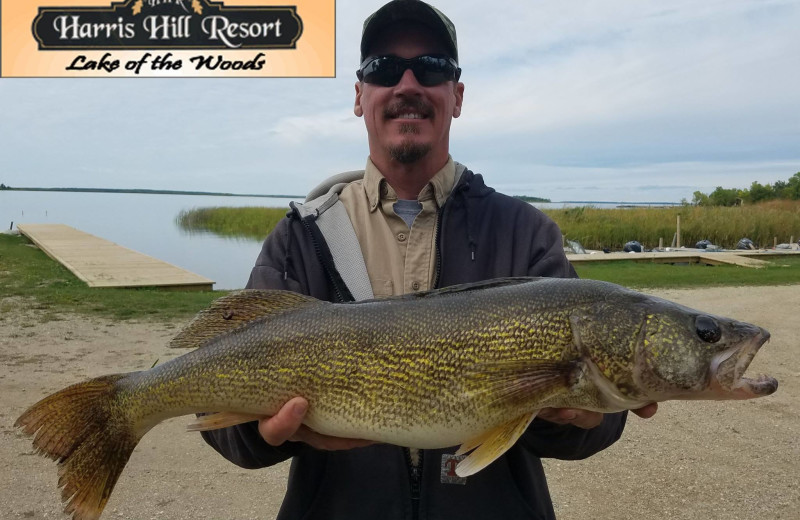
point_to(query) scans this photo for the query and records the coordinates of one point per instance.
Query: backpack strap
(346, 251)
(330, 217)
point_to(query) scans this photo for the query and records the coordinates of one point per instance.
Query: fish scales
(346, 367)
(468, 365)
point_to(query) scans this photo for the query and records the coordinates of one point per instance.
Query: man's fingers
(585, 418)
(647, 411)
(283, 425)
(324, 442)
(287, 425)
(580, 418)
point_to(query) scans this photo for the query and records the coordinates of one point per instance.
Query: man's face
(408, 121)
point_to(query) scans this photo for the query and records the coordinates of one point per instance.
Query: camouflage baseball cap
(409, 11)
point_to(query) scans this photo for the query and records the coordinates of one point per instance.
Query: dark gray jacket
(482, 235)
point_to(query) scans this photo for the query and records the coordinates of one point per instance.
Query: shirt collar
(377, 188)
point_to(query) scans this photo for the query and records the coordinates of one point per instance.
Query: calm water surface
(145, 223)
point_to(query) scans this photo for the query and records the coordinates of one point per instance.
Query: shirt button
(401, 237)
(415, 286)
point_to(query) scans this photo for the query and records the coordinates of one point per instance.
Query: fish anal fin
(490, 445)
(214, 421)
(470, 444)
(236, 310)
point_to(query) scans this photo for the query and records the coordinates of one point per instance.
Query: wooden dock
(101, 263)
(743, 258)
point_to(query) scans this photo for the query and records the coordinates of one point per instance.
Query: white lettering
(220, 28)
(69, 27)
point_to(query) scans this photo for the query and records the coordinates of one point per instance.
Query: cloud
(659, 182)
(571, 100)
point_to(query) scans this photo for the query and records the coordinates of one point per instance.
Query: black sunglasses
(429, 70)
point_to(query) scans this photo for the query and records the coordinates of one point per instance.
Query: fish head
(688, 354)
(647, 349)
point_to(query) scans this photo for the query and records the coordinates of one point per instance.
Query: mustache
(407, 105)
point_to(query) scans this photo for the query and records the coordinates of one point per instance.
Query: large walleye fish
(468, 365)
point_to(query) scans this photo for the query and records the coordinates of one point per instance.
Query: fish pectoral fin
(490, 445)
(512, 380)
(236, 310)
(217, 420)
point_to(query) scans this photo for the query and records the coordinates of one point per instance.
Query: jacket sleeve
(546, 257)
(543, 438)
(242, 444)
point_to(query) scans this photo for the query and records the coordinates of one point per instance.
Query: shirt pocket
(382, 288)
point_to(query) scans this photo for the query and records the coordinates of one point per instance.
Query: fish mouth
(728, 369)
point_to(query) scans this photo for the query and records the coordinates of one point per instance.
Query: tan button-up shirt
(398, 259)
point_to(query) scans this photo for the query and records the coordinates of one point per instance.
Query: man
(421, 221)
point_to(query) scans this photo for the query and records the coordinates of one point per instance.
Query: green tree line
(785, 190)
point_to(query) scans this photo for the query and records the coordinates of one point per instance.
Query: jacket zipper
(437, 240)
(415, 476)
(323, 261)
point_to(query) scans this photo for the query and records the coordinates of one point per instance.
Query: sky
(613, 100)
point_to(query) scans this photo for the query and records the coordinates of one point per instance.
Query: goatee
(408, 151)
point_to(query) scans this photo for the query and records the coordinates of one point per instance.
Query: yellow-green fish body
(469, 365)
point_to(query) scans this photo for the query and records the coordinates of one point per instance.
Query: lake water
(146, 223)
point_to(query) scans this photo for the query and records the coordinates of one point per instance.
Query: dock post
(678, 233)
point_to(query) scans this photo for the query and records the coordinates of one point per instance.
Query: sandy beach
(693, 460)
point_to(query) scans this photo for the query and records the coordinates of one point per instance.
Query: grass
(30, 276)
(248, 222)
(780, 271)
(594, 228)
(598, 228)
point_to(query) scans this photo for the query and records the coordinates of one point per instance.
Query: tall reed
(724, 226)
(248, 222)
(594, 228)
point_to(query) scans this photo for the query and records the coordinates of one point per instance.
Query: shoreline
(143, 191)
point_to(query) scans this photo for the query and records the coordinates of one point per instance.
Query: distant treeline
(528, 198)
(525, 198)
(151, 192)
(785, 190)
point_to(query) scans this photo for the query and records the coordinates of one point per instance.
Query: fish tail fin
(85, 429)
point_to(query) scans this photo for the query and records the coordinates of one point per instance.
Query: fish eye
(708, 329)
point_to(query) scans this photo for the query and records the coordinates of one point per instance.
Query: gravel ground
(693, 460)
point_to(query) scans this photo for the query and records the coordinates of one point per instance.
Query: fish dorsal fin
(490, 445)
(236, 310)
(466, 287)
(460, 288)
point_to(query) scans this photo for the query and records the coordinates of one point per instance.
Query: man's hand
(586, 419)
(287, 425)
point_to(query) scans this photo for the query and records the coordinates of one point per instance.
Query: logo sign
(448, 469)
(167, 24)
(173, 38)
